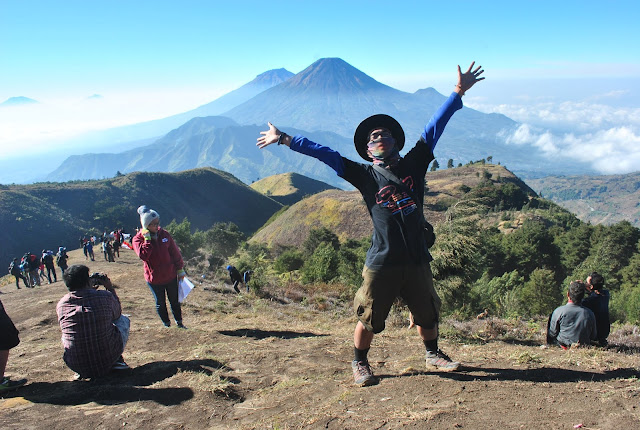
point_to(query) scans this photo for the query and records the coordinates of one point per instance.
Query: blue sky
(548, 64)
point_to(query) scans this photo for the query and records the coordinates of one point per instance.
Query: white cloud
(45, 124)
(566, 116)
(604, 136)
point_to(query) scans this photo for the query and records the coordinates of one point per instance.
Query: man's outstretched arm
(302, 145)
(439, 120)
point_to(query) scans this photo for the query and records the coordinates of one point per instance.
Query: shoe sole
(434, 368)
(367, 382)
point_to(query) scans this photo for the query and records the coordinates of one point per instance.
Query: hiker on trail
(572, 324)
(94, 331)
(8, 339)
(117, 242)
(90, 250)
(116, 248)
(397, 262)
(83, 245)
(236, 278)
(41, 274)
(163, 265)
(47, 259)
(109, 252)
(61, 258)
(15, 270)
(31, 265)
(246, 277)
(598, 301)
(104, 250)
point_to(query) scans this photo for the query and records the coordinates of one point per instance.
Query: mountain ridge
(325, 102)
(49, 215)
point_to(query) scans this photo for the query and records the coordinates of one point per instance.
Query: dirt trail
(249, 363)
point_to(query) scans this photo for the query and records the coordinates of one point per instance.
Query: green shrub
(322, 265)
(288, 261)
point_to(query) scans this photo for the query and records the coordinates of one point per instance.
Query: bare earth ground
(247, 362)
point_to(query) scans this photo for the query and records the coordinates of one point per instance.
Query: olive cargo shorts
(413, 282)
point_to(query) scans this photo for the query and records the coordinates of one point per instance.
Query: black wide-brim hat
(361, 136)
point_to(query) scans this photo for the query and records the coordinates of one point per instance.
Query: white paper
(184, 288)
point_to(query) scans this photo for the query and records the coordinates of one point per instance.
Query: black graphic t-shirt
(397, 222)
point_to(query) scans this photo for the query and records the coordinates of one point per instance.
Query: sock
(431, 345)
(360, 354)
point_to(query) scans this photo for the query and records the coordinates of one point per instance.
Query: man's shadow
(125, 385)
(543, 374)
(263, 334)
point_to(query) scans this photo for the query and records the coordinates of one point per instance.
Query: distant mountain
(289, 188)
(17, 101)
(604, 199)
(325, 102)
(334, 96)
(49, 215)
(212, 141)
(159, 127)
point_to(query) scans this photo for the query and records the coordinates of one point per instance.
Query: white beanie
(147, 215)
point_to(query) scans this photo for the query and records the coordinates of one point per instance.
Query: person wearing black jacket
(397, 263)
(14, 269)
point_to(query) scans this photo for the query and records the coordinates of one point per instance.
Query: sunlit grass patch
(213, 382)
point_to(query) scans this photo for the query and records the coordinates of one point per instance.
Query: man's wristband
(281, 138)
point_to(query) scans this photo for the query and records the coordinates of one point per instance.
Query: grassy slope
(289, 188)
(345, 213)
(49, 215)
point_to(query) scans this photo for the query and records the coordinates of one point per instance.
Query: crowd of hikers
(31, 267)
(397, 263)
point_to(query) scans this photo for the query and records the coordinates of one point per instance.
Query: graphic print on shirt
(395, 200)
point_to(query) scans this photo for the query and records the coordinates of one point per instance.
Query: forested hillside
(499, 246)
(52, 214)
(605, 199)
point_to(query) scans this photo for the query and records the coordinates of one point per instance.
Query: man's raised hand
(469, 78)
(268, 137)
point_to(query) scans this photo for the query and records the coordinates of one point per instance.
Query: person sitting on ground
(15, 270)
(8, 339)
(598, 302)
(572, 324)
(94, 331)
(236, 278)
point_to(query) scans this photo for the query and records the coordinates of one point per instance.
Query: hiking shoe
(8, 385)
(362, 374)
(120, 365)
(166, 323)
(441, 362)
(180, 325)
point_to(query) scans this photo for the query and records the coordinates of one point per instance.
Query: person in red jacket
(163, 265)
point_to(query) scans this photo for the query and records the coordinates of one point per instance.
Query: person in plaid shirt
(94, 331)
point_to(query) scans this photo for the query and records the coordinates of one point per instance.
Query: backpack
(34, 262)
(47, 259)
